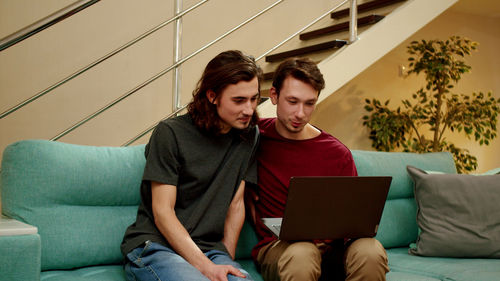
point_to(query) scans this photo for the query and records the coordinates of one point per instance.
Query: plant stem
(416, 132)
(435, 142)
(442, 132)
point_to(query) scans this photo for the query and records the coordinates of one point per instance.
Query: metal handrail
(149, 129)
(44, 23)
(160, 74)
(100, 60)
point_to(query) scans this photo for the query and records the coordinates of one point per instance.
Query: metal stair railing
(353, 38)
(160, 74)
(100, 60)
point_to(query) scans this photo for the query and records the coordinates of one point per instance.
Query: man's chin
(241, 125)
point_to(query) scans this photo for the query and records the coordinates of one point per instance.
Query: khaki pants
(363, 259)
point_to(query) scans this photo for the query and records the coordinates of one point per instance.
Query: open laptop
(331, 208)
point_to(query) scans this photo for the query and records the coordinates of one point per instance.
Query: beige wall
(47, 57)
(341, 113)
(26, 12)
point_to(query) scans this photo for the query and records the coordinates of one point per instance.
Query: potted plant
(420, 124)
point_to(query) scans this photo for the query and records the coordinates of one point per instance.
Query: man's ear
(211, 96)
(273, 94)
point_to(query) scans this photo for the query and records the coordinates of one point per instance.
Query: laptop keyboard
(276, 227)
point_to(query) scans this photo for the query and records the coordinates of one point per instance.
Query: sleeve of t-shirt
(162, 163)
(251, 175)
(349, 165)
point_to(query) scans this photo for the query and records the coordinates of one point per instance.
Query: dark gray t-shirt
(206, 170)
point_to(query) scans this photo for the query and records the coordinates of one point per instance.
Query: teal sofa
(82, 198)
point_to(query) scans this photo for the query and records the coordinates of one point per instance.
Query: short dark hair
(303, 69)
(227, 68)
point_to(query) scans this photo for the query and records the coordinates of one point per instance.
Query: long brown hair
(229, 67)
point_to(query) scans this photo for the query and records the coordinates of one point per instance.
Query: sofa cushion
(250, 267)
(92, 273)
(495, 171)
(398, 226)
(399, 276)
(377, 163)
(20, 252)
(458, 215)
(116, 273)
(81, 198)
(465, 269)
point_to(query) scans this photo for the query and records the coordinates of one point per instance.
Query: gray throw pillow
(458, 215)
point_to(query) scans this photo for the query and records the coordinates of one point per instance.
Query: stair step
(372, 5)
(306, 50)
(344, 26)
(264, 95)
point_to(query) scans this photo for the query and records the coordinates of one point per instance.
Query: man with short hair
(290, 146)
(192, 210)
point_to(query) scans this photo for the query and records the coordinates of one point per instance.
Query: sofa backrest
(398, 226)
(81, 198)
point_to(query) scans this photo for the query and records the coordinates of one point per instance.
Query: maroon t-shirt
(279, 159)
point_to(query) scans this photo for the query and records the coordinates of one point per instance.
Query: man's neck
(310, 132)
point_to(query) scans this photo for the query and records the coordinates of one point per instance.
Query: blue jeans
(157, 262)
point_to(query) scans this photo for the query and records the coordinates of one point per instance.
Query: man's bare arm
(163, 203)
(234, 220)
(251, 199)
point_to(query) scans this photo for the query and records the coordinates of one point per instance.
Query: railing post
(176, 81)
(353, 21)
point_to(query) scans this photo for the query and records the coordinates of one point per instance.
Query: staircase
(337, 28)
(385, 32)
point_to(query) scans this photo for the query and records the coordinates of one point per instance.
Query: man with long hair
(192, 210)
(290, 146)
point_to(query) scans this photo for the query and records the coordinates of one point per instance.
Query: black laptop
(331, 208)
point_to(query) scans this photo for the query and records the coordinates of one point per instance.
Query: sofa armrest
(20, 246)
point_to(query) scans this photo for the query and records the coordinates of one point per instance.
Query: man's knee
(366, 255)
(300, 261)
(369, 249)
